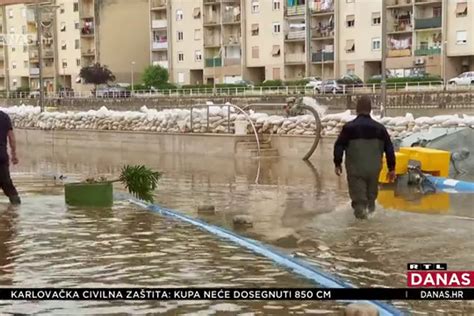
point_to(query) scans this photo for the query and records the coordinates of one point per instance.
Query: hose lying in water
(452, 185)
(318, 130)
(296, 265)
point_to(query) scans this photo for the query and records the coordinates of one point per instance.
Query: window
(350, 21)
(25, 63)
(461, 37)
(63, 45)
(276, 73)
(276, 50)
(437, 11)
(255, 6)
(350, 68)
(75, 6)
(15, 82)
(76, 44)
(255, 29)
(376, 43)
(276, 28)
(180, 36)
(350, 46)
(61, 8)
(25, 49)
(276, 4)
(197, 13)
(180, 77)
(180, 56)
(197, 34)
(78, 62)
(76, 25)
(179, 15)
(198, 55)
(13, 49)
(63, 27)
(10, 14)
(376, 19)
(12, 30)
(64, 62)
(23, 29)
(255, 52)
(14, 65)
(461, 9)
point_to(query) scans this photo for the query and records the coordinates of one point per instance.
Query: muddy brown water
(301, 208)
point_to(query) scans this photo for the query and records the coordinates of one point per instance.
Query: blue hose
(452, 185)
(297, 265)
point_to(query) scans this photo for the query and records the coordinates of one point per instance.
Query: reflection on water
(304, 203)
(50, 245)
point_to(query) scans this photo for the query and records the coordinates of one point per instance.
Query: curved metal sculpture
(298, 109)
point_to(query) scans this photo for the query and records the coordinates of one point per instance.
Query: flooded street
(296, 206)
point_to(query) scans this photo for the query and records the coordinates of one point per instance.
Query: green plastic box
(89, 194)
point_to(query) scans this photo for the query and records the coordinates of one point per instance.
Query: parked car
(331, 86)
(246, 83)
(466, 78)
(315, 83)
(351, 81)
(111, 92)
(66, 92)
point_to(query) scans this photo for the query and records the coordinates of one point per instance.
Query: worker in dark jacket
(364, 142)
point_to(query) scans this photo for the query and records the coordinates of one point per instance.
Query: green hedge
(270, 83)
(410, 80)
(293, 83)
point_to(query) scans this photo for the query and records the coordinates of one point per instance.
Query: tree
(96, 74)
(155, 76)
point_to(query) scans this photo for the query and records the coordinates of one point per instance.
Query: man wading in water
(364, 141)
(7, 135)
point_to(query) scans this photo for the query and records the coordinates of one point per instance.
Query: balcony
(87, 31)
(34, 71)
(399, 4)
(232, 61)
(161, 63)
(322, 57)
(159, 45)
(213, 62)
(211, 21)
(428, 51)
(211, 41)
(48, 54)
(231, 17)
(232, 40)
(430, 23)
(210, 2)
(157, 5)
(295, 36)
(399, 53)
(295, 58)
(159, 24)
(427, 2)
(90, 52)
(295, 10)
(87, 12)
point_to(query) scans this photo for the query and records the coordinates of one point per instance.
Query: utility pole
(383, 105)
(307, 27)
(40, 54)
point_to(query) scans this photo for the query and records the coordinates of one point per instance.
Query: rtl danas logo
(437, 275)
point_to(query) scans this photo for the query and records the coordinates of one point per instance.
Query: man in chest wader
(364, 141)
(7, 137)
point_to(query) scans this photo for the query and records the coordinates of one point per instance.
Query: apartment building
(265, 40)
(3, 53)
(160, 39)
(16, 55)
(187, 48)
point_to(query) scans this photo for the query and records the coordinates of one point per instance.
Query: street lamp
(131, 75)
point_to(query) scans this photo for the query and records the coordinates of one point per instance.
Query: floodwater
(302, 208)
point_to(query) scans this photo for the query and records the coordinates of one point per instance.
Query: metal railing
(259, 91)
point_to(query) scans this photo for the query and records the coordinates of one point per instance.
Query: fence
(434, 86)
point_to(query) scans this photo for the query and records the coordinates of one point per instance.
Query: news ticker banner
(235, 294)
